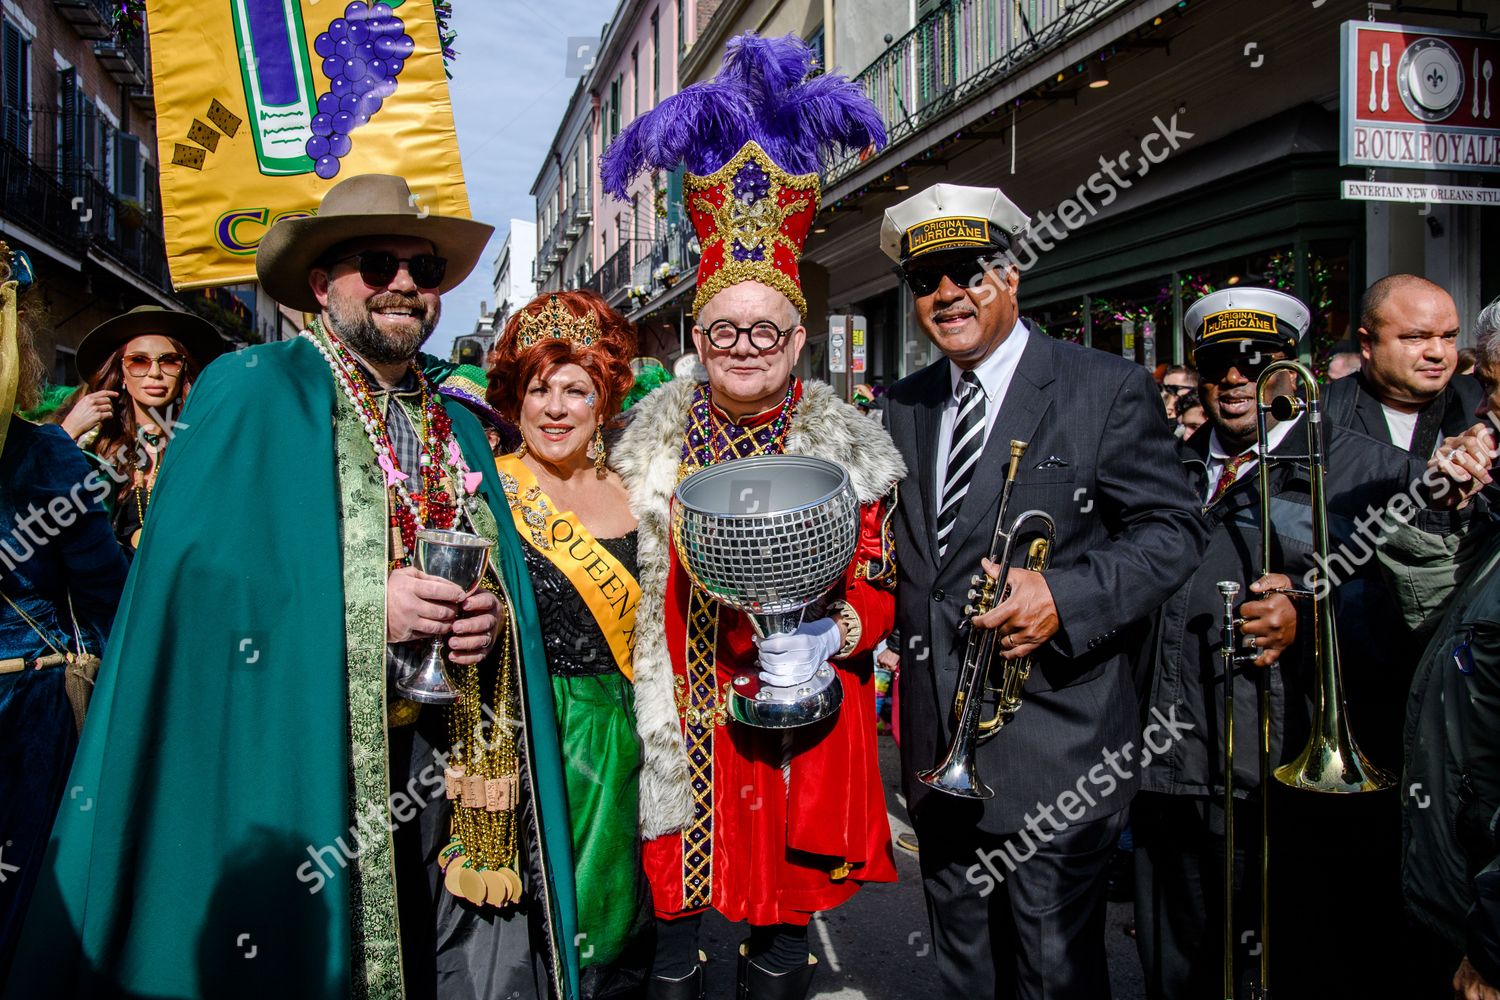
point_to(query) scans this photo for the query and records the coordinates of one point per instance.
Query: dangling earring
(521, 449)
(599, 450)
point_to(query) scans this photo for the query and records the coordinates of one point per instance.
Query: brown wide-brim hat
(366, 206)
(196, 335)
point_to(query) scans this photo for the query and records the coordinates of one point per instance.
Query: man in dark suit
(1406, 392)
(1015, 884)
(1178, 819)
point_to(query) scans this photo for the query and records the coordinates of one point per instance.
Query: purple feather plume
(760, 93)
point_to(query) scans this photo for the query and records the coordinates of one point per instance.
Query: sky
(509, 90)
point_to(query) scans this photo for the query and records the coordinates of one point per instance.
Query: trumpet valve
(977, 579)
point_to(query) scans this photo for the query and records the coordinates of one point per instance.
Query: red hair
(607, 360)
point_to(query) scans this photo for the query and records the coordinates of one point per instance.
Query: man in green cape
(254, 811)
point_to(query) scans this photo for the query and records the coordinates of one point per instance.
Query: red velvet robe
(786, 843)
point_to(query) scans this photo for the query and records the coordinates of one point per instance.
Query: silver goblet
(458, 557)
(768, 536)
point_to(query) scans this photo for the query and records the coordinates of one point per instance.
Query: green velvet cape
(217, 749)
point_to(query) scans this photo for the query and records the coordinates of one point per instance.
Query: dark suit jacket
(1351, 403)
(1102, 462)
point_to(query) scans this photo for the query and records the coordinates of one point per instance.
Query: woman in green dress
(558, 373)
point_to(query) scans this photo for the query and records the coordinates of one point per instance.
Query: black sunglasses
(924, 279)
(1250, 362)
(378, 268)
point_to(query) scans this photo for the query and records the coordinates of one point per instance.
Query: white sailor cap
(950, 217)
(1236, 314)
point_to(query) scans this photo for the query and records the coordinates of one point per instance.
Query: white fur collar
(647, 458)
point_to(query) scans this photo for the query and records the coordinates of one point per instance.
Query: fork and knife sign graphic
(1381, 64)
(1435, 80)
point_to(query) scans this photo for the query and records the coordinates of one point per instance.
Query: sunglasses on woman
(140, 365)
(378, 268)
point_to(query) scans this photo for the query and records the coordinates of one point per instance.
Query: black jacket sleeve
(1141, 488)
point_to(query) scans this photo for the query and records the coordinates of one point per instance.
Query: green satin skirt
(602, 767)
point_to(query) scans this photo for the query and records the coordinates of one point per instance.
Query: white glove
(791, 658)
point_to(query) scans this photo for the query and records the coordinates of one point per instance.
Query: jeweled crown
(556, 322)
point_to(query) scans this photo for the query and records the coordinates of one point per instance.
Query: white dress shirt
(1218, 456)
(995, 373)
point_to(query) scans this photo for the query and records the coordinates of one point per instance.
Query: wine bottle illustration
(279, 88)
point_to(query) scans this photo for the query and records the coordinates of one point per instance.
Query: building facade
(79, 169)
(628, 250)
(564, 192)
(515, 283)
(1164, 148)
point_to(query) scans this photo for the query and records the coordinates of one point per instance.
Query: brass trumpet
(957, 774)
(1331, 761)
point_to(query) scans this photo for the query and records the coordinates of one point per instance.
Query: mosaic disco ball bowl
(768, 536)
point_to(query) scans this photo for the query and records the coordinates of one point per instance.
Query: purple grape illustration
(363, 53)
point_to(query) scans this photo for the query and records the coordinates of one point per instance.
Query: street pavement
(878, 946)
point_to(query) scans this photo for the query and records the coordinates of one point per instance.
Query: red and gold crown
(752, 140)
(752, 219)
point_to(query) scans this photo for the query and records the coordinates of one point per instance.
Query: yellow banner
(263, 105)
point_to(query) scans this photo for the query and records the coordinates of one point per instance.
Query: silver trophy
(460, 558)
(768, 536)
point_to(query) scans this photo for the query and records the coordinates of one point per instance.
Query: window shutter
(149, 194)
(127, 165)
(67, 138)
(14, 55)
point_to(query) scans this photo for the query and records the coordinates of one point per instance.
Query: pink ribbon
(393, 475)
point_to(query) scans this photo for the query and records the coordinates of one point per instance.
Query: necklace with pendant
(442, 476)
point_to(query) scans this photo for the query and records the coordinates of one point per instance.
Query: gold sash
(610, 591)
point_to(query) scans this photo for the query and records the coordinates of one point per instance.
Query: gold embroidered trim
(703, 713)
(735, 271)
(883, 572)
(757, 226)
(853, 627)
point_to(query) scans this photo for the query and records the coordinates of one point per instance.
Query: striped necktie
(963, 455)
(1229, 475)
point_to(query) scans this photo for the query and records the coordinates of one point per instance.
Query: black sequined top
(575, 645)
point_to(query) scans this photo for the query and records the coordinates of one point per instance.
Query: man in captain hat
(1324, 847)
(1015, 884)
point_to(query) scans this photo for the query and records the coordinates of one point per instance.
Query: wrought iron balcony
(614, 277)
(120, 229)
(125, 61)
(960, 50)
(92, 19)
(581, 210)
(79, 215)
(35, 199)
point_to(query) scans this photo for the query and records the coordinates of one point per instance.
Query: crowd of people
(222, 719)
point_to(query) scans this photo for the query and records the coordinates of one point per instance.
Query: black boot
(742, 975)
(689, 987)
(759, 984)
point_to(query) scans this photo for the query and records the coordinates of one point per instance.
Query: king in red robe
(766, 826)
